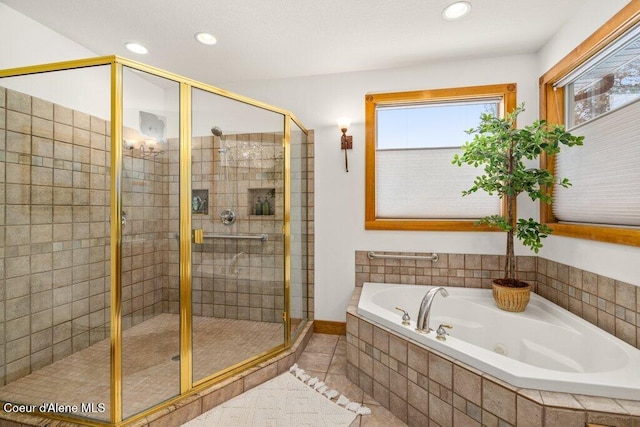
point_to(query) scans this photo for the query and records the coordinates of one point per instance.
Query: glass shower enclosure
(154, 236)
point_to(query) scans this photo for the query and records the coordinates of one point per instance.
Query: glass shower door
(150, 227)
(237, 209)
(54, 240)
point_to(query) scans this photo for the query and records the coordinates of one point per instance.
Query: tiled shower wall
(237, 279)
(243, 279)
(145, 240)
(610, 304)
(55, 247)
(54, 229)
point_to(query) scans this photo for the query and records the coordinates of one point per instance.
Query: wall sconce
(346, 141)
(146, 147)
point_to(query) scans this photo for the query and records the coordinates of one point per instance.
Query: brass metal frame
(187, 386)
(286, 230)
(116, 242)
(186, 361)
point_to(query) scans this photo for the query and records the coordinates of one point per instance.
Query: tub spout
(422, 324)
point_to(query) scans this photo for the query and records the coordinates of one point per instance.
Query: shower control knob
(228, 216)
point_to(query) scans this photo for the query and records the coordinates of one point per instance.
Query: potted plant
(502, 149)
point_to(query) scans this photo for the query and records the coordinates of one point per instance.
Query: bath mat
(290, 399)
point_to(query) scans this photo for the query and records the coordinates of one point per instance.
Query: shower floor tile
(151, 372)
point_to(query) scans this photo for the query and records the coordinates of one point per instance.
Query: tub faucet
(422, 324)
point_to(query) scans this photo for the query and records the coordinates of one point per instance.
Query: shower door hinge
(284, 316)
(198, 236)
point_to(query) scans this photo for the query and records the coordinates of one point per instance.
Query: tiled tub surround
(471, 271)
(549, 348)
(610, 304)
(422, 386)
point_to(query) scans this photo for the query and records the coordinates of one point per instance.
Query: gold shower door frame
(187, 385)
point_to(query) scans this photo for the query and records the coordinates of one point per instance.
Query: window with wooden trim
(597, 95)
(411, 138)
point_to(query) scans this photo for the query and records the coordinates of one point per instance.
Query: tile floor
(325, 357)
(150, 375)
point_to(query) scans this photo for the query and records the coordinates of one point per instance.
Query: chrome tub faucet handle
(441, 332)
(406, 319)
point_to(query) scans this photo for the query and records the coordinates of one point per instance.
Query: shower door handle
(198, 236)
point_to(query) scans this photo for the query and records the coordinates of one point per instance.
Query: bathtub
(545, 348)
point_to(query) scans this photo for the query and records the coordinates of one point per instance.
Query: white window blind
(605, 171)
(423, 184)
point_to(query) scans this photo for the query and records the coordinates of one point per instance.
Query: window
(411, 138)
(599, 98)
(608, 82)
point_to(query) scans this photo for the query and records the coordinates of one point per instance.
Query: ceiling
(260, 39)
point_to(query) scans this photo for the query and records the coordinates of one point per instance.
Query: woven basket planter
(511, 299)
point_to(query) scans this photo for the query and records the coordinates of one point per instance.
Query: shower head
(216, 131)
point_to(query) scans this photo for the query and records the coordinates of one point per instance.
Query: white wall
(26, 42)
(339, 214)
(585, 22)
(339, 196)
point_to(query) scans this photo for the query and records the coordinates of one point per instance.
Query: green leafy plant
(502, 149)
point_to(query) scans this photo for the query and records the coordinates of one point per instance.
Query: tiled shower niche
(258, 198)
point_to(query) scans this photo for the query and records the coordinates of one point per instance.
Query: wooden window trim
(508, 94)
(552, 109)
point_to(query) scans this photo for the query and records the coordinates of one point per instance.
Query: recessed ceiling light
(456, 10)
(205, 38)
(136, 48)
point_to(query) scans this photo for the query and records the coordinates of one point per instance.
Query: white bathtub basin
(546, 347)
